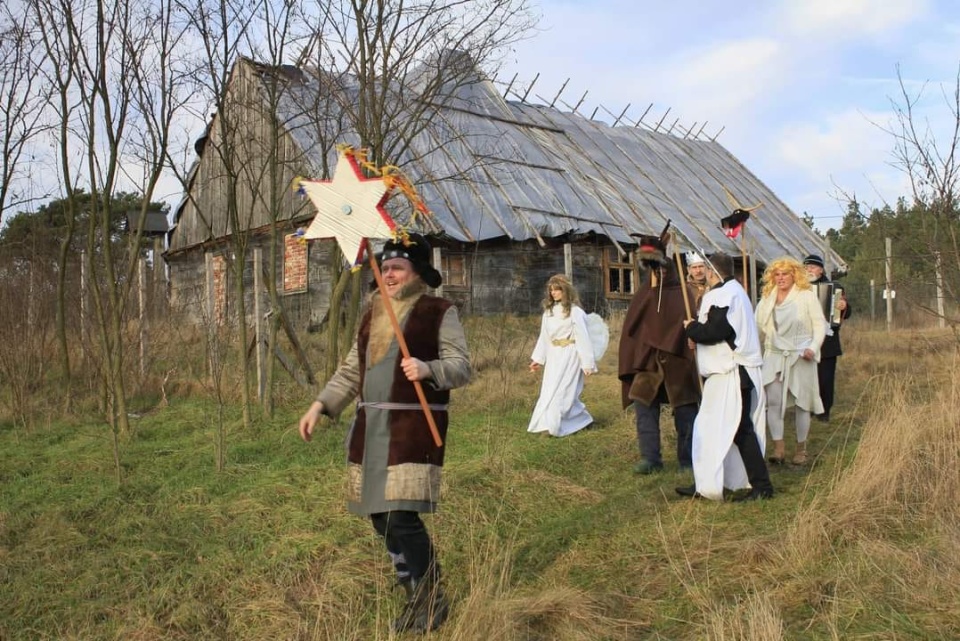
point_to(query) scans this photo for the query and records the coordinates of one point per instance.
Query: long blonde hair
(569, 294)
(787, 264)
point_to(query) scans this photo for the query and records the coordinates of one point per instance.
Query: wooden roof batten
(640, 122)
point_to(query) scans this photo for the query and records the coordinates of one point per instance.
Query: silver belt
(386, 405)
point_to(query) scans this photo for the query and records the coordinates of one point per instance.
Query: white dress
(787, 330)
(565, 350)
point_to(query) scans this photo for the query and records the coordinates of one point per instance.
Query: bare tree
(111, 64)
(930, 162)
(26, 330)
(229, 163)
(60, 74)
(350, 71)
(288, 34)
(398, 61)
(22, 99)
(408, 57)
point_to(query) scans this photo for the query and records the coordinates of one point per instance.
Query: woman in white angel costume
(568, 348)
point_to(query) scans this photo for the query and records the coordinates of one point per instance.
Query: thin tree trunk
(333, 324)
(61, 320)
(239, 262)
(115, 440)
(353, 312)
(271, 282)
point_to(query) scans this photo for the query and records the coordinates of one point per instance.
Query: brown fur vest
(410, 438)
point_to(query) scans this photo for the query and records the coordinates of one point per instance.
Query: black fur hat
(652, 250)
(416, 249)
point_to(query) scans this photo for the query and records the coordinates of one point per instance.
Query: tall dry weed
(904, 470)
(752, 618)
(881, 538)
(494, 609)
(27, 352)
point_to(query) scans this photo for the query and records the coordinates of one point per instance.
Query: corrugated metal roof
(488, 168)
(491, 168)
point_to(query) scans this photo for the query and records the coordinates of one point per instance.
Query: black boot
(407, 585)
(426, 609)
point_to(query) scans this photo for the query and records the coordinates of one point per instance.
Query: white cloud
(843, 156)
(726, 81)
(843, 141)
(849, 19)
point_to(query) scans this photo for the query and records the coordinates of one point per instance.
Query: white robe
(787, 330)
(559, 409)
(716, 460)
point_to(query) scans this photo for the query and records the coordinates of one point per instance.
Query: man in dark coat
(656, 365)
(830, 350)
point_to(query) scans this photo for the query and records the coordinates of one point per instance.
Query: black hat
(813, 259)
(416, 249)
(731, 224)
(651, 249)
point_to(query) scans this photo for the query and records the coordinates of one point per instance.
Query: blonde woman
(565, 352)
(792, 328)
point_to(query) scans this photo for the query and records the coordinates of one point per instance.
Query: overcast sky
(801, 88)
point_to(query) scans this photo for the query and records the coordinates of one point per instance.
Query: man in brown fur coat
(393, 463)
(656, 365)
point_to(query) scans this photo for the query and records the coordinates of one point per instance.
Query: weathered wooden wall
(247, 163)
(511, 277)
(504, 278)
(305, 310)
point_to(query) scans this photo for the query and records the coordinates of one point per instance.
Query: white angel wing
(599, 334)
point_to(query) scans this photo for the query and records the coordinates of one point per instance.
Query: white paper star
(349, 208)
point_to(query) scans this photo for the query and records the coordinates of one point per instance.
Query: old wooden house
(517, 191)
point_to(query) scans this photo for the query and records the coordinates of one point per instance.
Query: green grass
(540, 538)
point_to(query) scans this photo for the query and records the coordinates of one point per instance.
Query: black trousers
(826, 374)
(648, 432)
(408, 543)
(746, 440)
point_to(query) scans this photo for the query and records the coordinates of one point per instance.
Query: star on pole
(350, 208)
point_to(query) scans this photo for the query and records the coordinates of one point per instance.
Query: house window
(620, 273)
(453, 267)
(294, 264)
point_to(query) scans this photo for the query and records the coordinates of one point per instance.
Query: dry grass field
(540, 538)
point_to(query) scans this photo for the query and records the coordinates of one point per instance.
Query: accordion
(830, 295)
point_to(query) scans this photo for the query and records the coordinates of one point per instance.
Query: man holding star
(410, 351)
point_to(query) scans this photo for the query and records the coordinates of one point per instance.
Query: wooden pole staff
(683, 283)
(686, 296)
(743, 256)
(401, 340)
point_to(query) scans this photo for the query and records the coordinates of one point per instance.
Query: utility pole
(888, 292)
(941, 314)
(142, 300)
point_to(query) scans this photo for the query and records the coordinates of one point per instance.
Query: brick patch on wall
(294, 264)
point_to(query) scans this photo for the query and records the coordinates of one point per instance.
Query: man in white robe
(729, 432)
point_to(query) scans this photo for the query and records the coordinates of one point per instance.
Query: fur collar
(381, 330)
